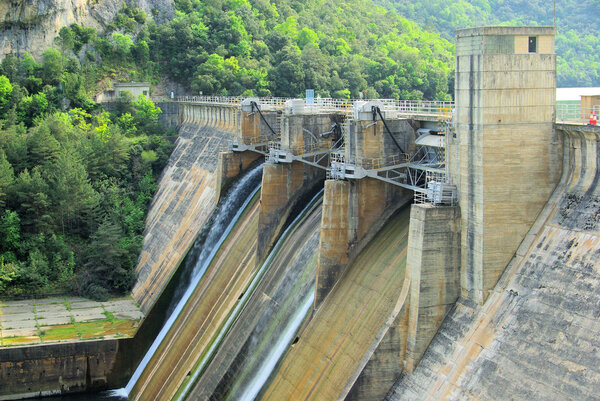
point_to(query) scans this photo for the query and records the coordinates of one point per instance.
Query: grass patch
(56, 333)
(125, 327)
(68, 305)
(109, 316)
(88, 330)
(19, 340)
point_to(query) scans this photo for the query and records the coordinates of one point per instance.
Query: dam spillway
(408, 304)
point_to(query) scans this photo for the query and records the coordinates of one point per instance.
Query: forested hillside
(578, 24)
(282, 47)
(76, 180)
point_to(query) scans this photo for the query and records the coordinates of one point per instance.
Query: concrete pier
(285, 184)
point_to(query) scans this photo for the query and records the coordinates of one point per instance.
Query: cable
(376, 111)
(254, 105)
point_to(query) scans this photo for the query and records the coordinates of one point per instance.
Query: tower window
(532, 44)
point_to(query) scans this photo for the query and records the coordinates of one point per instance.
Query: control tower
(504, 155)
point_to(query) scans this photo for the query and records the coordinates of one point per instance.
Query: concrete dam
(328, 249)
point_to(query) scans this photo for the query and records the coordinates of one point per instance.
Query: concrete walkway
(66, 319)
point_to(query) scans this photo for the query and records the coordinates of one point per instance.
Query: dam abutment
(506, 157)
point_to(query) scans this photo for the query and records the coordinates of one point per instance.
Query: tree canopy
(577, 40)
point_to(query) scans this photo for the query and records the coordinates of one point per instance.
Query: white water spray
(242, 303)
(212, 244)
(275, 353)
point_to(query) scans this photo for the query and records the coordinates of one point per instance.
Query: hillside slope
(577, 41)
(31, 26)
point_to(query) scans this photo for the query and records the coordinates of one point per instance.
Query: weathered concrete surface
(289, 279)
(432, 269)
(46, 369)
(535, 337)
(370, 140)
(353, 211)
(187, 194)
(205, 312)
(324, 362)
(66, 319)
(284, 185)
(505, 158)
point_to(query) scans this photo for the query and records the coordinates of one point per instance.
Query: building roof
(563, 94)
(130, 84)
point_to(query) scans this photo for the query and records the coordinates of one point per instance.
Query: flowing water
(225, 217)
(284, 338)
(253, 387)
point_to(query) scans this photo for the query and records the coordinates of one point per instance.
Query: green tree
(31, 107)
(122, 45)
(6, 90)
(52, 67)
(103, 269)
(146, 111)
(29, 198)
(10, 235)
(6, 177)
(72, 195)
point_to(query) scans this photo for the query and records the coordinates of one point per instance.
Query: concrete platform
(59, 319)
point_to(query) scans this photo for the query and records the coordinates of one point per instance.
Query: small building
(590, 102)
(135, 88)
(574, 104)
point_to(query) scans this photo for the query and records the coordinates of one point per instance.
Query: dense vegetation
(281, 48)
(75, 180)
(577, 41)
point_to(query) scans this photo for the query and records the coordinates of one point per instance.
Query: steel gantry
(425, 171)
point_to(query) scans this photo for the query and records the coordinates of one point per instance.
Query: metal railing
(393, 108)
(216, 100)
(574, 113)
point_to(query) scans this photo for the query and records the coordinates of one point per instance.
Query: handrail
(574, 113)
(391, 107)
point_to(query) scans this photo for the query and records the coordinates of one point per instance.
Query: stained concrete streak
(187, 194)
(535, 338)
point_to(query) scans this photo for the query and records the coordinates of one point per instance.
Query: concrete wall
(534, 338)
(353, 212)
(187, 193)
(432, 268)
(505, 159)
(170, 116)
(370, 140)
(284, 185)
(58, 368)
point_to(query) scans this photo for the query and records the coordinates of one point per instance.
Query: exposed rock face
(31, 26)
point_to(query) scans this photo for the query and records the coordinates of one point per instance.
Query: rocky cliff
(31, 26)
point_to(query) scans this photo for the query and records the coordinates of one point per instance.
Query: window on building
(145, 93)
(532, 44)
